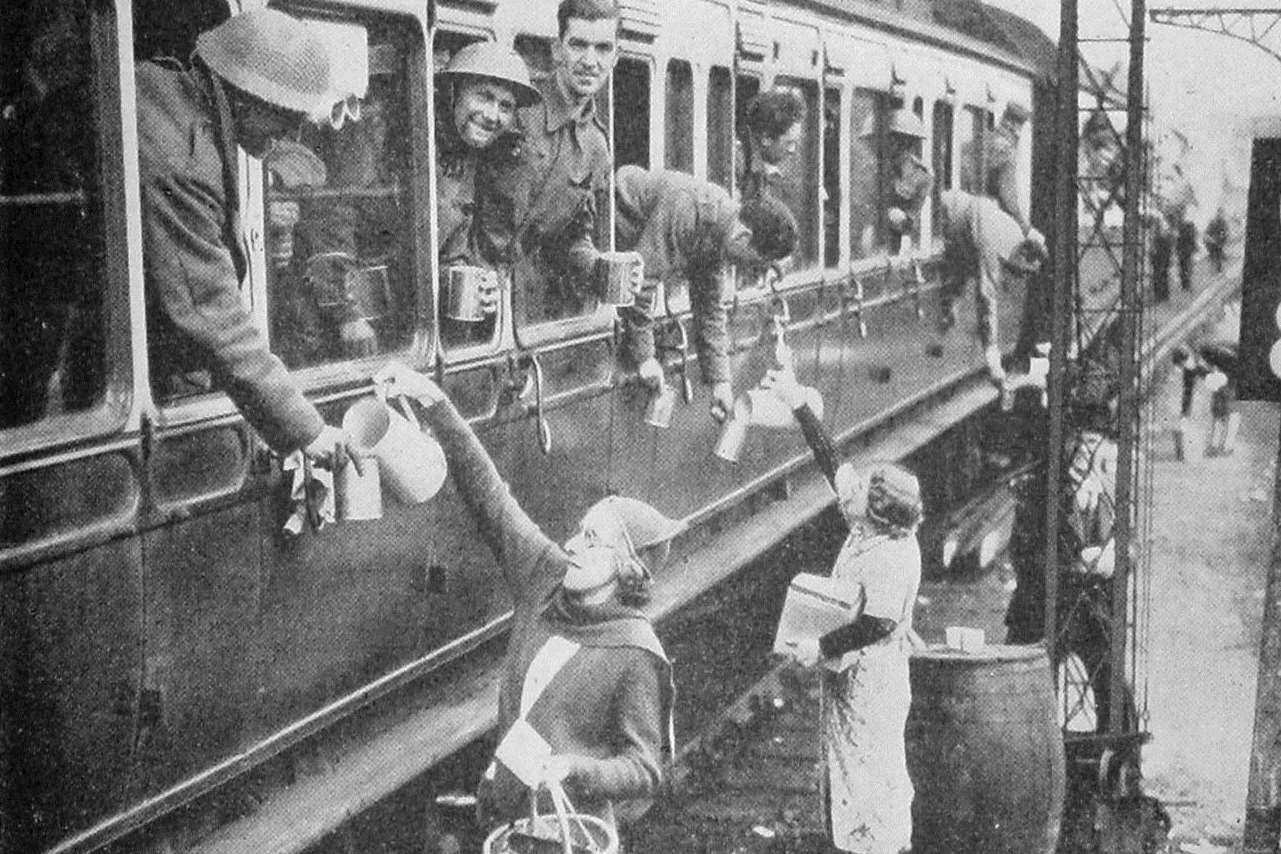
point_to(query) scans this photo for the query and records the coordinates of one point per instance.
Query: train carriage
(175, 669)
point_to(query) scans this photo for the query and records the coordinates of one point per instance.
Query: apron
(864, 707)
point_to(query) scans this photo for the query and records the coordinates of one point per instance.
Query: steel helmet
(492, 60)
(906, 122)
(272, 56)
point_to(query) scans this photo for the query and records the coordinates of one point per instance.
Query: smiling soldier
(562, 178)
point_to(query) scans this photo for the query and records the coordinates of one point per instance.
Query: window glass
(831, 177)
(680, 116)
(720, 127)
(972, 149)
(341, 254)
(868, 171)
(631, 113)
(52, 327)
(941, 159)
(797, 186)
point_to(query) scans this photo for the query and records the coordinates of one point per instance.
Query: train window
(798, 186)
(631, 112)
(720, 127)
(869, 171)
(341, 282)
(941, 157)
(972, 131)
(680, 116)
(52, 313)
(831, 177)
(746, 88)
(456, 237)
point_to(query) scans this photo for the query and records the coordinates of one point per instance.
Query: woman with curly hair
(866, 693)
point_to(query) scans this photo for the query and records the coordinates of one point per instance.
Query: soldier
(982, 243)
(687, 230)
(911, 181)
(552, 194)
(254, 80)
(772, 131)
(1000, 179)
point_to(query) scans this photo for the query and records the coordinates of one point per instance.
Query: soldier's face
(776, 149)
(586, 55)
(257, 124)
(483, 111)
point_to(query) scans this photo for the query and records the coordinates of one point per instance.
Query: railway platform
(748, 781)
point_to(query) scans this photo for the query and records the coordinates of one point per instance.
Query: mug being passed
(616, 272)
(659, 411)
(464, 285)
(411, 462)
(360, 496)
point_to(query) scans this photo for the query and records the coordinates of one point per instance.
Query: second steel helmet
(272, 56)
(906, 122)
(492, 60)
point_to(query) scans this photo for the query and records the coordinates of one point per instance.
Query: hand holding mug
(785, 386)
(650, 372)
(722, 401)
(806, 652)
(331, 449)
(397, 379)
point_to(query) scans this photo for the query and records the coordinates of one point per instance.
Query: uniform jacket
(611, 702)
(194, 260)
(552, 192)
(679, 225)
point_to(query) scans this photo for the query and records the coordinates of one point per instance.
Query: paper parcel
(815, 605)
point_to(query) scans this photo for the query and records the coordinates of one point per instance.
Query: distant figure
(1000, 162)
(771, 134)
(1191, 370)
(1178, 203)
(866, 690)
(981, 243)
(1216, 239)
(1223, 410)
(910, 181)
(1160, 250)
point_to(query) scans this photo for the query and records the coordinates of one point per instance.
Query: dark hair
(771, 113)
(772, 225)
(587, 10)
(635, 583)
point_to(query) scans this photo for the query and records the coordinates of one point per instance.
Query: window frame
(124, 389)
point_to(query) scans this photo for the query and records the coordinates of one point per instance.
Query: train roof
(966, 25)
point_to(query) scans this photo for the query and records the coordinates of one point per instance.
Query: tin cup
(411, 462)
(360, 496)
(463, 290)
(659, 411)
(734, 432)
(615, 273)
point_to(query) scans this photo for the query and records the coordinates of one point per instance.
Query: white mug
(411, 462)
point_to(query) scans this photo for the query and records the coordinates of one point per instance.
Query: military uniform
(194, 258)
(552, 193)
(679, 225)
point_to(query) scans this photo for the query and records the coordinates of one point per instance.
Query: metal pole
(1128, 405)
(1262, 799)
(1064, 284)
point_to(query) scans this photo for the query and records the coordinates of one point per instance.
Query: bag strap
(555, 652)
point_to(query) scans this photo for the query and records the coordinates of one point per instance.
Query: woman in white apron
(866, 691)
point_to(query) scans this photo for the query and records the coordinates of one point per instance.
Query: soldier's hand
(650, 372)
(358, 338)
(398, 379)
(490, 293)
(331, 450)
(722, 401)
